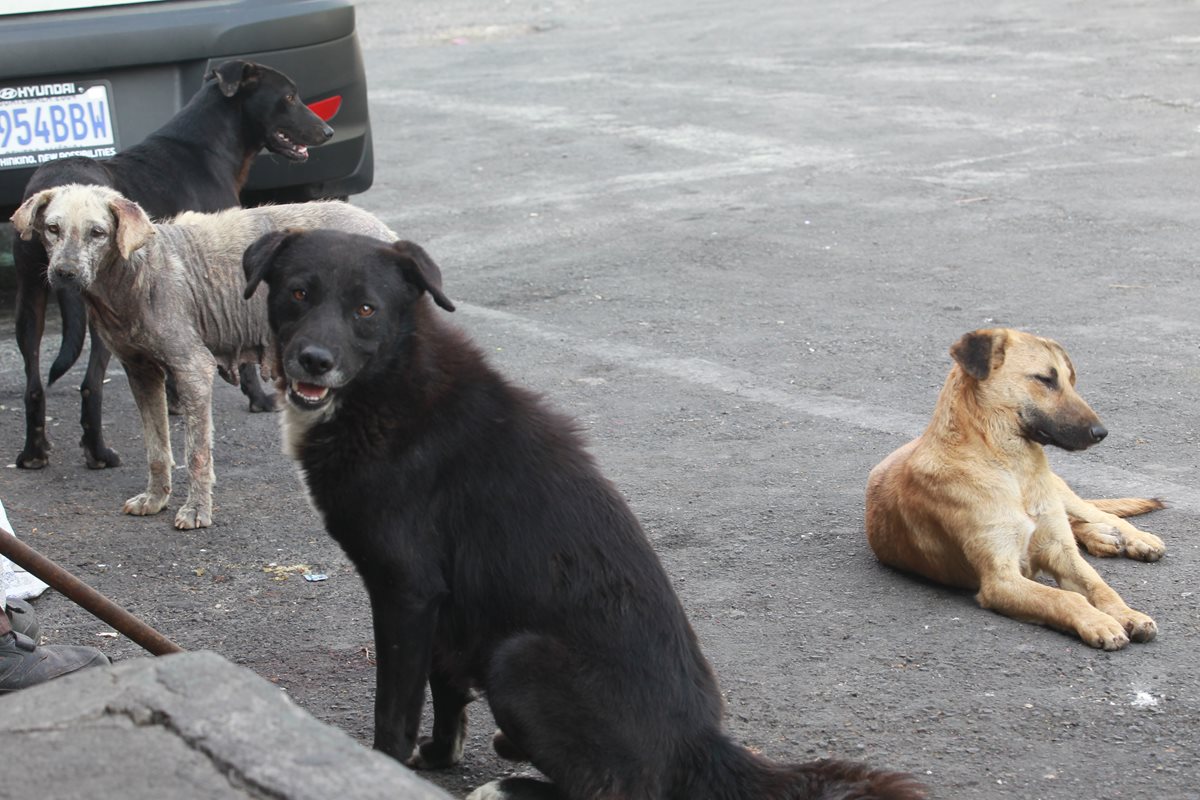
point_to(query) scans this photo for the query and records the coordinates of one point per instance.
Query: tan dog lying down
(169, 297)
(972, 502)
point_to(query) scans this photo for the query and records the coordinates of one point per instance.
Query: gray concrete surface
(735, 240)
(184, 727)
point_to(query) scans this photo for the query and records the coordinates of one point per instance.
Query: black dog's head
(271, 108)
(340, 305)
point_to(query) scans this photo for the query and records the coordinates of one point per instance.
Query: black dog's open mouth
(282, 144)
(308, 395)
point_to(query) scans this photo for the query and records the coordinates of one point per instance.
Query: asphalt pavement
(735, 241)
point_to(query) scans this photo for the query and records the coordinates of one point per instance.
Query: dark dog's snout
(1098, 432)
(315, 359)
(327, 132)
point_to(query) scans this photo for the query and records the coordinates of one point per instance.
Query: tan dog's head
(1027, 381)
(83, 228)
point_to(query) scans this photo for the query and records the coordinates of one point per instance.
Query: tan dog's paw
(145, 504)
(191, 516)
(1143, 546)
(1139, 626)
(1103, 632)
(1098, 538)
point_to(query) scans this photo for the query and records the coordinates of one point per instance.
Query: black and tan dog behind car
(972, 502)
(495, 554)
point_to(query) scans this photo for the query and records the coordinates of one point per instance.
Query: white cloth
(14, 580)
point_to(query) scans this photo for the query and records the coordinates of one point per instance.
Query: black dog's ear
(232, 75)
(980, 352)
(420, 270)
(260, 257)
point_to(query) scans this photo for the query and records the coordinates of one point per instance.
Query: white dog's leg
(195, 394)
(149, 393)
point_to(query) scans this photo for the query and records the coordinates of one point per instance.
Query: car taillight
(328, 108)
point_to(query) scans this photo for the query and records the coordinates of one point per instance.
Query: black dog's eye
(364, 311)
(52, 228)
(299, 294)
(290, 99)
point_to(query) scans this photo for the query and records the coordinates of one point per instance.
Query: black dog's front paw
(102, 458)
(32, 459)
(36, 453)
(505, 748)
(263, 403)
(432, 754)
(398, 748)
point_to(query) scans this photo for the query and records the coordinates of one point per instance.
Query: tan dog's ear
(1058, 348)
(980, 352)
(28, 218)
(421, 271)
(134, 228)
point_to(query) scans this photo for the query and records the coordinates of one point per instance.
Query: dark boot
(22, 619)
(23, 663)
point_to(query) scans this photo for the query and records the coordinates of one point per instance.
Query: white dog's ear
(28, 218)
(134, 228)
(980, 352)
(421, 271)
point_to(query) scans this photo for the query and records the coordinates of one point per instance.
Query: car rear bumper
(156, 56)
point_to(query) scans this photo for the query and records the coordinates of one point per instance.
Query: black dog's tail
(843, 780)
(74, 317)
(737, 772)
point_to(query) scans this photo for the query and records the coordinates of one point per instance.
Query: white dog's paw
(193, 515)
(145, 504)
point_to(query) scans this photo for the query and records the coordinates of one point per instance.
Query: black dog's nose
(316, 359)
(327, 133)
(1098, 432)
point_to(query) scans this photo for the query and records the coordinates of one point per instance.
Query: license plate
(44, 122)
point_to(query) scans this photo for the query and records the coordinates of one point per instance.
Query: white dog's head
(83, 228)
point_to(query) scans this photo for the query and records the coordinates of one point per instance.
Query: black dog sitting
(197, 161)
(494, 553)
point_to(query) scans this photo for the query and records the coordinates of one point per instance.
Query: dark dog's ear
(134, 228)
(260, 257)
(232, 75)
(28, 218)
(420, 270)
(980, 352)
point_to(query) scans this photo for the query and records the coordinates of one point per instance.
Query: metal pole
(85, 596)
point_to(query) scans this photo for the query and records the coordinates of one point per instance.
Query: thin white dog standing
(167, 297)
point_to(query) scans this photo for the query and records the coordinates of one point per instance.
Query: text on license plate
(34, 130)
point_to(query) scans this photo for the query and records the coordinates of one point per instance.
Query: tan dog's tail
(1129, 506)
